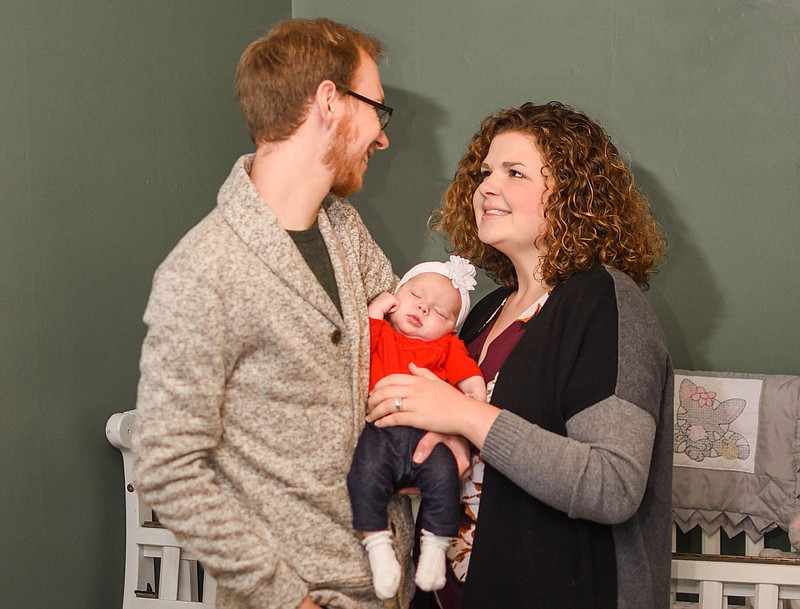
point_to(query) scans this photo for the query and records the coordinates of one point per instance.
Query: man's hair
(593, 213)
(279, 73)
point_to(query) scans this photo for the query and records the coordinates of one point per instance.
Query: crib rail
(714, 578)
(766, 560)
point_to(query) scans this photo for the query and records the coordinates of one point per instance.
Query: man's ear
(327, 101)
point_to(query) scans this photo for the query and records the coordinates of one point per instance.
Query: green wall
(118, 125)
(703, 97)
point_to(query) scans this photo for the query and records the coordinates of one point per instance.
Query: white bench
(159, 573)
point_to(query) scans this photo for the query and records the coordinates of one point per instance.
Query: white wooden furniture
(737, 468)
(159, 574)
(764, 583)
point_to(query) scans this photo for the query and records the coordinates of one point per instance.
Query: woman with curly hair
(572, 466)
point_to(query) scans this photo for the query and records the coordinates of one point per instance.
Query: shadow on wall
(684, 292)
(404, 183)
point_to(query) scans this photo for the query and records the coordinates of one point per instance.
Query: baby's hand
(383, 304)
(481, 397)
(474, 387)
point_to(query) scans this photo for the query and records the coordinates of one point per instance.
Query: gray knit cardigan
(252, 396)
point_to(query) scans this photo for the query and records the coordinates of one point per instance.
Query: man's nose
(382, 141)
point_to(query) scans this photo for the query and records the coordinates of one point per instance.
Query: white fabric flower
(461, 273)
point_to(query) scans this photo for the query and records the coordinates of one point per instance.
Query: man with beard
(256, 362)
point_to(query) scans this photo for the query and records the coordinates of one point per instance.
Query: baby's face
(428, 307)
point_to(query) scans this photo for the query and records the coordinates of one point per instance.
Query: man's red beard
(347, 173)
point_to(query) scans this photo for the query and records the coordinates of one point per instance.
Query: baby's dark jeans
(383, 463)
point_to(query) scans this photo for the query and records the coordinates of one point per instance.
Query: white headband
(458, 270)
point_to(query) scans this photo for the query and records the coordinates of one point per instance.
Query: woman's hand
(419, 399)
(427, 402)
(457, 445)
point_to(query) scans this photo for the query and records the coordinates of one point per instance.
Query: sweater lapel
(254, 223)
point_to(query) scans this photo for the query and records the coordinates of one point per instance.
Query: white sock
(386, 570)
(431, 566)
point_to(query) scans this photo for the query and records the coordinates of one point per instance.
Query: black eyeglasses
(384, 111)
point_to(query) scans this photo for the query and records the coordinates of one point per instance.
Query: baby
(430, 301)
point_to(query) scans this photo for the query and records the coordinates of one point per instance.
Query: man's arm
(375, 267)
(181, 392)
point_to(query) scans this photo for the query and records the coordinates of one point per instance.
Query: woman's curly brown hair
(593, 213)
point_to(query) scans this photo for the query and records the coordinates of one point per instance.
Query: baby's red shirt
(391, 352)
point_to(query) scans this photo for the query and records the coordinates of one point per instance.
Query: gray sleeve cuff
(504, 435)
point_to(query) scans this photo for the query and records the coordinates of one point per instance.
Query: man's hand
(308, 604)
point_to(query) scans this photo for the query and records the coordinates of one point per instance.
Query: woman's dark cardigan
(575, 509)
